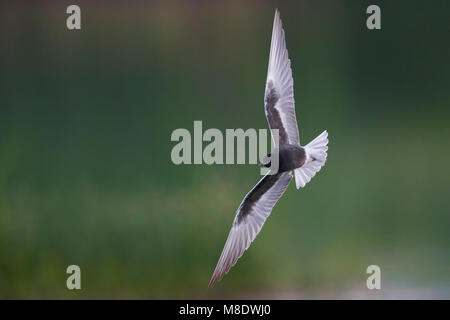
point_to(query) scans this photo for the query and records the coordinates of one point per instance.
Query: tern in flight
(304, 161)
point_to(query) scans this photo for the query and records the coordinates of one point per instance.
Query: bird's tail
(316, 156)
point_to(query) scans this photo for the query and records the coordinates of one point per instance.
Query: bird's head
(265, 162)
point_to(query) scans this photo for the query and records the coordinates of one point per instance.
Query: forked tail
(316, 156)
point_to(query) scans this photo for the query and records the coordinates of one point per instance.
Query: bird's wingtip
(212, 281)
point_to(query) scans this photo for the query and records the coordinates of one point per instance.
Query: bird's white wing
(250, 217)
(279, 102)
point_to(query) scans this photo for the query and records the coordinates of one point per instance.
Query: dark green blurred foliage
(85, 171)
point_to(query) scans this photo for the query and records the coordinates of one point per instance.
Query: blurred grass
(85, 170)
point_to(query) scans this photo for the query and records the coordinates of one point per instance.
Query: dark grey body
(290, 157)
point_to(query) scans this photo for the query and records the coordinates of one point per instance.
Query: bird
(303, 161)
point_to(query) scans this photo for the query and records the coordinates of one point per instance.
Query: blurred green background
(85, 170)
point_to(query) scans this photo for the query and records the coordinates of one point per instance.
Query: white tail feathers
(316, 156)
